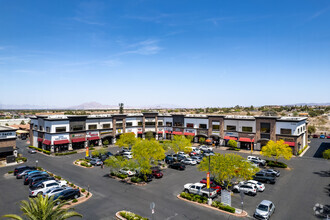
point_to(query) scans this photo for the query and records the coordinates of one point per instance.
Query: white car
(54, 191)
(189, 161)
(205, 148)
(260, 186)
(196, 150)
(41, 188)
(256, 159)
(127, 172)
(247, 188)
(183, 154)
(264, 210)
(128, 155)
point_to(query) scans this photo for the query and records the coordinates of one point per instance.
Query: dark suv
(264, 177)
(68, 194)
(177, 166)
(22, 168)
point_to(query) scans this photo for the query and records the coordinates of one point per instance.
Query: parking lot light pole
(36, 163)
(208, 181)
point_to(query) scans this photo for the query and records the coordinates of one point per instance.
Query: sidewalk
(223, 148)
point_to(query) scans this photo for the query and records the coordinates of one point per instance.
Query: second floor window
(119, 125)
(178, 124)
(47, 129)
(160, 123)
(139, 123)
(265, 128)
(216, 127)
(231, 128)
(286, 131)
(190, 125)
(203, 126)
(60, 129)
(247, 129)
(106, 125)
(169, 124)
(150, 123)
(77, 127)
(129, 124)
(92, 127)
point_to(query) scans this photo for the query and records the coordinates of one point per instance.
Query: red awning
(61, 142)
(191, 134)
(93, 138)
(246, 140)
(292, 144)
(177, 132)
(168, 132)
(47, 142)
(160, 132)
(76, 140)
(40, 139)
(230, 138)
(140, 132)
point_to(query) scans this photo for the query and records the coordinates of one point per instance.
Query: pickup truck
(200, 189)
(264, 177)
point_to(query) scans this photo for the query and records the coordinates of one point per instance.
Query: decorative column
(70, 146)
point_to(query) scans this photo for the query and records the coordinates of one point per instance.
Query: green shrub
(66, 153)
(39, 168)
(83, 190)
(232, 144)
(10, 172)
(131, 216)
(85, 164)
(24, 159)
(235, 149)
(302, 150)
(58, 177)
(272, 163)
(87, 194)
(74, 201)
(121, 176)
(326, 154)
(91, 147)
(221, 206)
(195, 198)
(135, 179)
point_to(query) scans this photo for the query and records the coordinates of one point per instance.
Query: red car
(157, 174)
(328, 137)
(212, 185)
(192, 153)
(315, 136)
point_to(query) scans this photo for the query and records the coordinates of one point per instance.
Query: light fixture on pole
(36, 163)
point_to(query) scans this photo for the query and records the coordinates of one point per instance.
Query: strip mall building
(58, 133)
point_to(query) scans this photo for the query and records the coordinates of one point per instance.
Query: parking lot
(295, 193)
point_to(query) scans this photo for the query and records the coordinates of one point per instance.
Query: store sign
(168, 129)
(129, 130)
(160, 129)
(226, 197)
(150, 129)
(92, 133)
(106, 132)
(202, 132)
(78, 135)
(61, 137)
(288, 139)
(232, 134)
(5, 135)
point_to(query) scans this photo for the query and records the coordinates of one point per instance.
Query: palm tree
(43, 208)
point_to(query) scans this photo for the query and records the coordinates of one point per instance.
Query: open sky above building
(183, 53)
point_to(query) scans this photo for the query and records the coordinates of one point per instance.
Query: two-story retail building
(65, 132)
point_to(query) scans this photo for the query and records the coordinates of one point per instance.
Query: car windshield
(263, 207)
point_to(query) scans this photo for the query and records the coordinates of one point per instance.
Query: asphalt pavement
(294, 194)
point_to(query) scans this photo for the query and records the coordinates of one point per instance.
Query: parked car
(169, 159)
(183, 154)
(67, 194)
(260, 186)
(213, 185)
(195, 150)
(198, 159)
(32, 151)
(37, 179)
(264, 210)
(31, 175)
(156, 173)
(45, 186)
(127, 171)
(264, 177)
(205, 148)
(177, 166)
(272, 172)
(208, 153)
(315, 136)
(22, 168)
(189, 161)
(247, 188)
(256, 159)
(128, 155)
(145, 177)
(109, 154)
(322, 136)
(22, 174)
(54, 191)
(328, 137)
(96, 162)
(200, 189)
(192, 153)
(178, 157)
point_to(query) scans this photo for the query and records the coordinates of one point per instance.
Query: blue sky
(184, 53)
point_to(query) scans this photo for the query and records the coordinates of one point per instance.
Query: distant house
(303, 114)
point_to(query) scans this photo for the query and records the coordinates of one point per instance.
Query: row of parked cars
(41, 183)
(322, 136)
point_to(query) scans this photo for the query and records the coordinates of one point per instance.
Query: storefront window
(190, 125)
(231, 128)
(92, 127)
(247, 129)
(60, 129)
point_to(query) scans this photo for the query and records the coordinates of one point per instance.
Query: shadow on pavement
(323, 173)
(324, 146)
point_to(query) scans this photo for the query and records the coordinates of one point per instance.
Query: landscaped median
(130, 180)
(83, 163)
(126, 215)
(216, 205)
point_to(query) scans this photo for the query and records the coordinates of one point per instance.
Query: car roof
(199, 184)
(265, 202)
(50, 181)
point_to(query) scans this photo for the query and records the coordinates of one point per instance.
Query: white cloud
(146, 47)
(111, 63)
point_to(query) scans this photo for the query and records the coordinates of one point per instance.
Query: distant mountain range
(96, 105)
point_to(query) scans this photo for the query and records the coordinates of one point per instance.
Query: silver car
(264, 210)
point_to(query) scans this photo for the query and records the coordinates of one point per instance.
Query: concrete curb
(244, 214)
(118, 216)
(127, 181)
(302, 154)
(78, 165)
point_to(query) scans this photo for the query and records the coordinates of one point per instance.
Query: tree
(180, 143)
(149, 135)
(121, 108)
(201, 140)
(43, 208)
(115, 163)
(22, 122)
(189, 137)
(277, 150)
(126, 140)
(146, 153)
(311, 129)
(228, 168)
(232, 144)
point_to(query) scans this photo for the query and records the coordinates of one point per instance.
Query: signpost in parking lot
(242, 198)
(152, 207)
